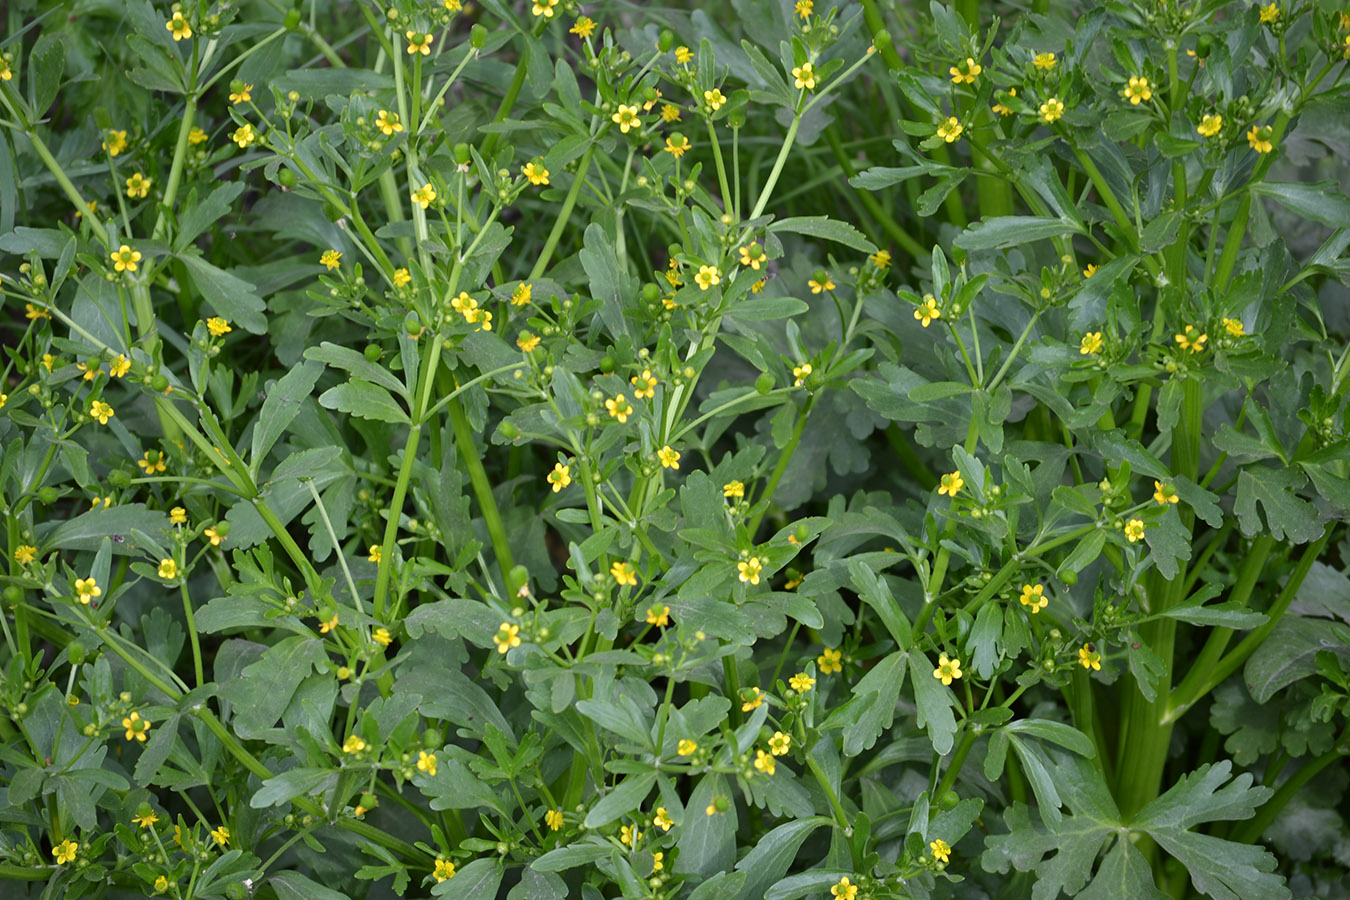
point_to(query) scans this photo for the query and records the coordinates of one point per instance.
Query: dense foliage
(763, 450)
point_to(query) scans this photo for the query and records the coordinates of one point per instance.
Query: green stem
(564, 215)
(482, 489)
(783, 459)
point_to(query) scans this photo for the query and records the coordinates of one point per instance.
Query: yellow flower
(242, 95)
(553, 819)
(1091, 344)
(1259, 138)
(221, 836)
(661, 820)
(683, 55)
(630, 835)
(670, 458)
(138, 186)
(657, 864)
(948, 670)
(65, 851)
(708, 276)
(1270, 14)
(48, 360)
(711, 809)
(1052, 110)
(382, 637)
(677, 145)
(426, 762)
(124, 258)
(964, 73)
(928, 310)
(804, 77)
(218, 326)
(686, 747)
(829, 661)
(388, 123)
(453, 6)
(714, 98)
(1033, 595)
(178, 515)
(1089, 658)
(623, 573)
(168, 569)
(535, 172)
(1164, 493)
(670, 113)
(756, 699)
(101, 411)
(658, 616)
(353, 744)
(544, 8)
(326, 627)
(951, 483)
(844, 890)
(424, 196)
(1192, 339)
(331, 259)
(147, 820)
(1137, 90)
(801, 682)
(215, 537)
(780, 743)
(376, 551)
(1089, 271)
(243, 136)
(136, 727)
(1210, 125)
(419, 42)
(1044, 61)
(527, 342)
(119, 366)
(818, 286)
(444, 871)
(152, 462)
(758, 286)
(1003, 109)
(881, 259)
(733, 489)
(583, 28)
(941, 850)
(804, 8)
(1234, 327)
(749, 570)
(800, 373)
(36, 312)
(765, 763)
(196, 136)
(1134, 530)
(619, 408)
(560, 477)
(950, 130)
(626, 118)
(24, 554)
(179, 27)
(161, 884)
(507, 636)
(115, 142)
(644, 385)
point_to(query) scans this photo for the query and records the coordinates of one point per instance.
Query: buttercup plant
(551, 450)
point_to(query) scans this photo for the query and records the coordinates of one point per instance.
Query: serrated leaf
(934, 701)
(1286, 515)
(365, 401)
(1010, 231)
(826, 228)
(872, 709)
(230, 296)
(282, 405)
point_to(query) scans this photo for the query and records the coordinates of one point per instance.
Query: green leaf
(872, 709)
(985, 639)
(1123, 872)
(935, 703)
(573, 855)
(202, 214)
(1289, 653)
(826, 228)
(938, 390)
(773, 855)
(536, 884)
(365, 401)
(264, 689)
(623, 800)
(707, 843)
(766, 309)
(610, 283)
(477, 880)
(874, 591)
(1066, 736)
(805, 883)
(1322, 202)
(88, 531)
(722, 886)
(1160, 233)
(294, 886)
(228, 295)
(317, 83)
(1287, 516)
(46, 65)
(284, 400)
(1227, 615)
(288, 785)
(1170, 541)
(1011, 231)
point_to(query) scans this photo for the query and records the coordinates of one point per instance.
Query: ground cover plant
(746, 450)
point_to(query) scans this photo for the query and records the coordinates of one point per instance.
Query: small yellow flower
(619, 408)
(138, 186)
(1164, 493)
(623, 573)
(65, 851)
(950, 130)
(710, 809)
(419, 42)
(535, 173)
(630, 835)
(941, 850)
(677, 145)
(881, 259)
(424, 196)
(1091, 344)
(583, 28)
(661, 820)
(927, 311)
(818, 286)
(780, 743)
(670, 458)
(147, 820)
(544, 8)
(507, 636)
(657, 864)
(560, 477)
(1259, 138)
(326, 627)
(178, 515)
(626, 118)
(948, 670)
(964, 73)
(119, 366)
(36, 312)
(388, 123)
(755, 699)
(124, 258)
(1134, 530)
(24, 554)
(243, 136)
(708, 276)
(844, 890)
(1210, 125)
(749, 570)
(218, 326)
(686, 747)
(1044, 61)
(714, 98)
(161, 884)
(444, 870)
(804, 8)
(758, 286)
(215, 537)
(644, 385)
(331, 259)
(101, 411)
(553, 819)
(670, 113)
(426, 762)
(1270, 14)
(1090, 270)
(734, 490)
(1052, 110)
(1033, 595)
(168, 569)
(152, 462)
(115, 142)
(375, 553)
(801, 682)
(136, 727)
(196, 136)
(522, 293)
(1002, 108)
(804, 77)
(382, 637)
(1137, 90)
(1089, 658)
(829, 661)
(658, 616)
(1192, 339)
(178, 27)
(951, 483)
(1234, 327)
(683, 55)
(221, 836)
(354, 744)
(243, 95)
(765, 763)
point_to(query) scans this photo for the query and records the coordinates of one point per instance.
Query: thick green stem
(482, 489)
(564, 214)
